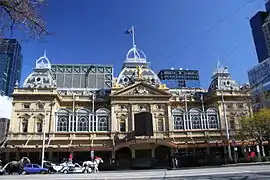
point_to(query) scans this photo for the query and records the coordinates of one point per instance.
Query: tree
(256, 127)
(22, 15)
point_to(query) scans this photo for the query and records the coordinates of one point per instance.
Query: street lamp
(226, 125)
(93, 118)
(44, 135)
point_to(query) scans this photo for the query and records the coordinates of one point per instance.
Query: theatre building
(132, 118)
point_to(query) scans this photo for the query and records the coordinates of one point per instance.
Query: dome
(222, 80)
(135, 55)
(127, 76)
(41, 77)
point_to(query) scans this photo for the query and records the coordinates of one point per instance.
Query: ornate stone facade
(81, 120)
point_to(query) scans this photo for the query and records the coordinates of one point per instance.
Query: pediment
(140, 89)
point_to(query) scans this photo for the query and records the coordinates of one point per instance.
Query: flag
(129, 31)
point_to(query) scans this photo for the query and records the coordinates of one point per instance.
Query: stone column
(17, 156)
(8, 156)
(208, 150)
(131, 107)
(169, 117)
(153, 151)
(50, 155)
(132, 152)
(113, 119)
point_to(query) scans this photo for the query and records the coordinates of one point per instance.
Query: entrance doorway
(123, 158)
(143, 124)
(162, 154)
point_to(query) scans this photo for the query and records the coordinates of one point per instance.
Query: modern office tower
(259, 79)
(175, 79)
(267, 6)
(10, 65)
(260, 34)
(259, 74)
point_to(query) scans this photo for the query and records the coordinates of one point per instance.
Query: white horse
(93, 164)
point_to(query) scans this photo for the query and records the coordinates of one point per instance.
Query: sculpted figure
(139, 71)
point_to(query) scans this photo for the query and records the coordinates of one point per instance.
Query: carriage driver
(70, 157)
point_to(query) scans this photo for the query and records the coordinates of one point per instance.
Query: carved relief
(140, 91)
(142, 107)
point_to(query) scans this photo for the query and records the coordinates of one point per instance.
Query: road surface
(232, 173)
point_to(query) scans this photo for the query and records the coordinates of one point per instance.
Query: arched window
(63, 119)
(83, 120)
(39, 126)
(39, 123)
(195, 117)
(24, 123)
(25, 126)
(103, 116)
(212, 117)
(178, 118)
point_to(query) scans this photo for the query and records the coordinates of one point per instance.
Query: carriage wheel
(65, 171)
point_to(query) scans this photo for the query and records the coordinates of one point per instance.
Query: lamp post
(226, 125)
(93, 119)
(44, 135)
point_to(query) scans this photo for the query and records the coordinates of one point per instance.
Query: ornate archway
(123, 157)
(162, 155)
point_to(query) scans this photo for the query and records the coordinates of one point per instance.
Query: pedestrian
(70, 157)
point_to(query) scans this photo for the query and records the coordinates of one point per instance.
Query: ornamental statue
(139, 71)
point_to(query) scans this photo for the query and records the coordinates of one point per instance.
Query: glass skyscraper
(10, 65)
(260, 34)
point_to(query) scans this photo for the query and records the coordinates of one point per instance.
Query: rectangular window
(39, 127)
(25, 127)
(232, 124)
(122, 126)
(160, 125)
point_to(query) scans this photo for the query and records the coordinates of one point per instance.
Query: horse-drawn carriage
(69, 167)
(66, 167)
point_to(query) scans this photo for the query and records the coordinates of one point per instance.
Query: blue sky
(188, 34)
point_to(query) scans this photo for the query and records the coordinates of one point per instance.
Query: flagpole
(133, 36)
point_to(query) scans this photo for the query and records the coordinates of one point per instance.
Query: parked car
(34, 169)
